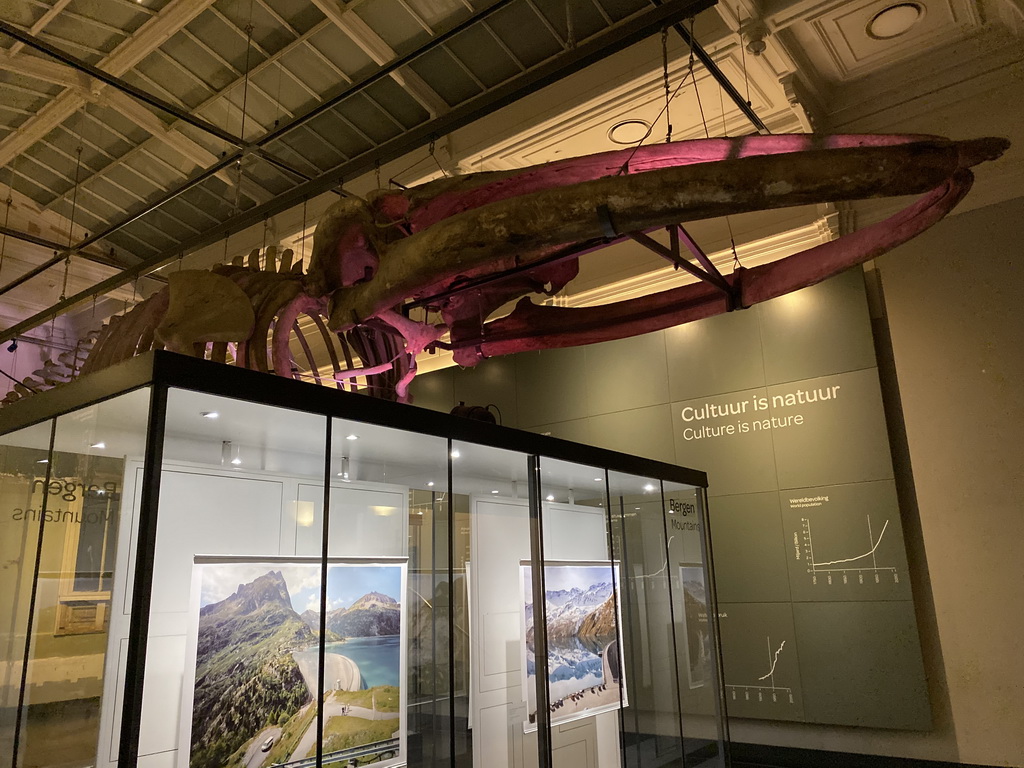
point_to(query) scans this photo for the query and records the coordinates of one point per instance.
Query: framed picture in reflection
(697, 634)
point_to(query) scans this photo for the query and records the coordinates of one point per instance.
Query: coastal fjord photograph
(583, 636)
(254, 700)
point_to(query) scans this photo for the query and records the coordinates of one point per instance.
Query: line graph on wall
(845, 543)
(762, 676)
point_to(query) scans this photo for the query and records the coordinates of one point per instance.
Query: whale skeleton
(458, 249)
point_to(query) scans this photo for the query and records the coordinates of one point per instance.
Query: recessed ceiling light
(494, 491)
(430, 484)
(648, 487)
(43, 461)
(236, 461)
(631, 131)
(209, 414)
(550, 497)
(352, 437)
(455, 453)
(895, 20)
(597, 479)
(101, 445)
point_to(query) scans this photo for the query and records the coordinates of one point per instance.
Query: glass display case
(208, 567)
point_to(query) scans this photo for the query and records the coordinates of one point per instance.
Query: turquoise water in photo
(378, 658)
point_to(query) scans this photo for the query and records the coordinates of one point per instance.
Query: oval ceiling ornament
(894, 21)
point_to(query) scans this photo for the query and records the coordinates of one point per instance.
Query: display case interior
(206, 567)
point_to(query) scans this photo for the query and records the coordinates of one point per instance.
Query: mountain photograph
(258, 664)
(584, 676)
(372, 615)
(246, 678)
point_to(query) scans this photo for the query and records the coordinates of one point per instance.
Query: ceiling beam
(381, 53)
(143, 41)
(45, 70)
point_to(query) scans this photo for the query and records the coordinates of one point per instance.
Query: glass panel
(696, 636)
(24, 461)
(643, 543)
(490, 496)
(388, 671)
(586, 686)
(70, 678)
(231, 663)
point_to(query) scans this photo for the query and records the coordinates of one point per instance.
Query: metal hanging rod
(709, 64)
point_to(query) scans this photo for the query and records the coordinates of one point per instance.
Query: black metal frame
(162, 371)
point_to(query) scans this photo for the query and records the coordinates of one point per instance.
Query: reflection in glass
(24, 461)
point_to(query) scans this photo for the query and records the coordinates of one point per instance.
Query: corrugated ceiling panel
(85, 52)
(524, 33)
(127, 17)
(302, 16)
(368, 118)
(315, 72)
(442, 73)
(339, 49)
(339, 134)
(478, 50)
(82, 32)
(181, 208)
(21, 13)
(194, 56)
(151, 165)
(620, 9)
(441, 14)
(395, 25)
(187, 88)
(55, 182)
(26, 184)
(266, 30)
(397, 101)
(283, 89)
(222, 37)
(313, 152)
(116, 122)
(126, 176)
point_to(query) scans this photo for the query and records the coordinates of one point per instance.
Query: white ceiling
(958, 72)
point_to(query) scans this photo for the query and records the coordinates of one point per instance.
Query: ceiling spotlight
(550, 497)
(455, 453)
(895, 20)
(13, 346)
(101, 445)
(648, 487)
(430, 484)
(629, 132)
(352, 437)
(209, 414)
